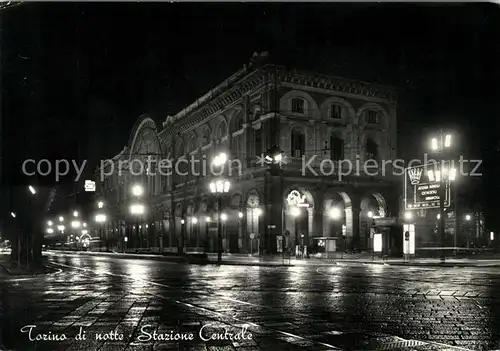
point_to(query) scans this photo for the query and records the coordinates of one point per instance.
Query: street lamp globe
(223, 217)
(137, 209)
(408, 215)
(207, 219)
(49, 223)
(137, 190)
(468, 217)
(240, 214)
(100, 204)
(194, 220)
(50, 230)
(75, 213)
(370, 214)
(61, 219)
(32, 190)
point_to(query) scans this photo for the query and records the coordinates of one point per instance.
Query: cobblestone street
(349, 307)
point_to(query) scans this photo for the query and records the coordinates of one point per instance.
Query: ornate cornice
(322, 81)
(217, 104)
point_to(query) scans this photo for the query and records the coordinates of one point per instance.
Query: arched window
(221, 132)
(298, 105)
(258, 142)
(372, 117)
(205, 136)
(335, 111)
(336, 148)
(298, 142)
(371, 150)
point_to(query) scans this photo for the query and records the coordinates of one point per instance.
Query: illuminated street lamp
(468, 217)
(100, 204)
(408, 215)
(194, 220)
(75, 224)
(50, 230)
(223, 217)
(240, 214)
(441, 175)
(219, 188)
(137, 190)
(220, 159)
(49, 223)
(32, 190)
(75, 214)
(370, 214)
(13, 215)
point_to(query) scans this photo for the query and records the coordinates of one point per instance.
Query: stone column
(352, 227)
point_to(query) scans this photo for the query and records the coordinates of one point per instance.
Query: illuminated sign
(295, 199)
(422, 190)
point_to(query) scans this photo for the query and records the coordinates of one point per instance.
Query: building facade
(338, 139)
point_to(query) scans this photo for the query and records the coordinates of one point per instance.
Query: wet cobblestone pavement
(348, 307)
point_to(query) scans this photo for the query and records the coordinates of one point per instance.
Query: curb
(29, 274)
(176, 259)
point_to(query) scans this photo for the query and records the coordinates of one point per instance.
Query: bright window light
(447, 140)
(434, 144)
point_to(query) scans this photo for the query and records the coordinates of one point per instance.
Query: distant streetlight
(32, 190)
(468, 217)
(183, 221)
(49, 223)
(137, 209)
(100, 204)
(408, 215)
(75, 214)
(50, 230)
(194, 220)
(75, 224)
(370, 214)
(207, 219)
(220, 159)
(61, 219)
(84, 225)
(223, 217)
(100, 218)
(240, 214)
(137, 190)
(13, 215)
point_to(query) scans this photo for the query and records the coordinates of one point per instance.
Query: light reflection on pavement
(350, 306)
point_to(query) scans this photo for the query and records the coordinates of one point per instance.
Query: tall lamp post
(75, 225)
(443, 175)
(137, 209)
(101, 219)
(219, 188)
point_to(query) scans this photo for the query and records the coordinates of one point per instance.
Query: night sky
(75, 77)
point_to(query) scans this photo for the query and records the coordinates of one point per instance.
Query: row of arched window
(336, 111)
(336, 146)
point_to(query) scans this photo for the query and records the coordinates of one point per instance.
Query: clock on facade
(253, 201)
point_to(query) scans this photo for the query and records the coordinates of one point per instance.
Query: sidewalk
(277, 260)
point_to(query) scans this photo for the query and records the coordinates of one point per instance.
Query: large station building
(324, 126)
